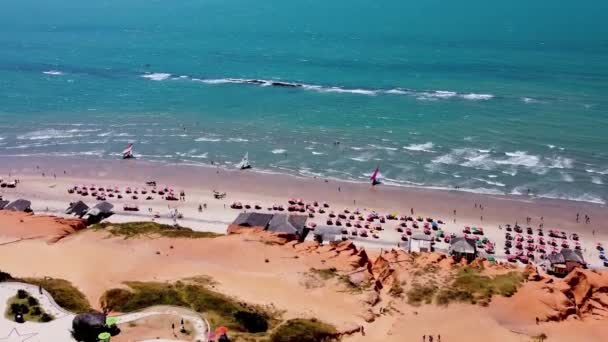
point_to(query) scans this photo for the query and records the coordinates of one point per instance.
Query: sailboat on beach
(244, 164)
(128, 152)
(375, 178)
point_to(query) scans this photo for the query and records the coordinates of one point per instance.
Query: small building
(250, 220)
(78, 209)
(19, 205)
(327, 234)
(294, 225)
(565, 261)
(461, 247)
(100, 211)
(421, 243)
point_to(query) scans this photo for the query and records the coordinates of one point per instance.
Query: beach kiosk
(461, 247)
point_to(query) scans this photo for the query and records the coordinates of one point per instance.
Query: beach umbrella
(221, 330)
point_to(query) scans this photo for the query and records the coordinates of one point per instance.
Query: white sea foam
(490, 182)
(48, 134)
(53, 72)
(124, 135)
(586, 197)
(208, 139)
(278, 151)
(397, 92)
(484, 151)
(529, 100)
(560, 163)
(159, 76)
(597, 180)
(343, 90)
(378, 147)
(605, 172)
(426, 147)
(318, 153)
(551, 146)
(492, 176)
(477, 97)
(480, 161)
(236, 140)
(356, 148)
(566, 177)
(519, 158)
(200, 156)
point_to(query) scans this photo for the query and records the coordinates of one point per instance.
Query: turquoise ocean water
(491, 97)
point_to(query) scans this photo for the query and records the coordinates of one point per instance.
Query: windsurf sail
(128, 152)
(375, 178)
(244, 164)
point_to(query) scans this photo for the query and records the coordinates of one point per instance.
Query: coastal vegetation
(218, 308)
(246, 322)
(23, 303)
(151, 229)
(303, 330)
(64, 293)
(468, 285)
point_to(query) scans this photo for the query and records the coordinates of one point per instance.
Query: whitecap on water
(53, 72)
(426, 147)
(278, 151)
(159, 76)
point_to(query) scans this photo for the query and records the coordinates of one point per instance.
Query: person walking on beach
(430, 338)
(577, 216)
(423, 338)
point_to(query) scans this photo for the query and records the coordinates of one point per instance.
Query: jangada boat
(244, 164)
(128, 152)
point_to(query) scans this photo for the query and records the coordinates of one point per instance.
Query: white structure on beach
(420, 243)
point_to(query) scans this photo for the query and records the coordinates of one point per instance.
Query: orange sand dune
(18, 225)
(274, 272)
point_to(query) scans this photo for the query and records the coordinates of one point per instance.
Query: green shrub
(303, 330)
(421, 293)
(5, 277)
(137, 229)
(253, 322)
(64, 293)
(46, 317)
(15, 308)
(22, 294)
(471, 286)
(31, 301)
(36, 311)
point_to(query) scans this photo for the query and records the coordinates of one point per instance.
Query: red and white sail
(375, 176)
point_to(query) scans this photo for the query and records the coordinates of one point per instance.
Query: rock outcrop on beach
(581, 295)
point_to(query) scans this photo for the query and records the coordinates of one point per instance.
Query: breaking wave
(157, 76)
(420, 94)
(53, 72)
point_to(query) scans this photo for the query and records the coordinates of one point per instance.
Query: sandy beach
(45, 181)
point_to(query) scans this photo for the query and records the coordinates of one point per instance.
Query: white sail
(128, 152)
(244, 164)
